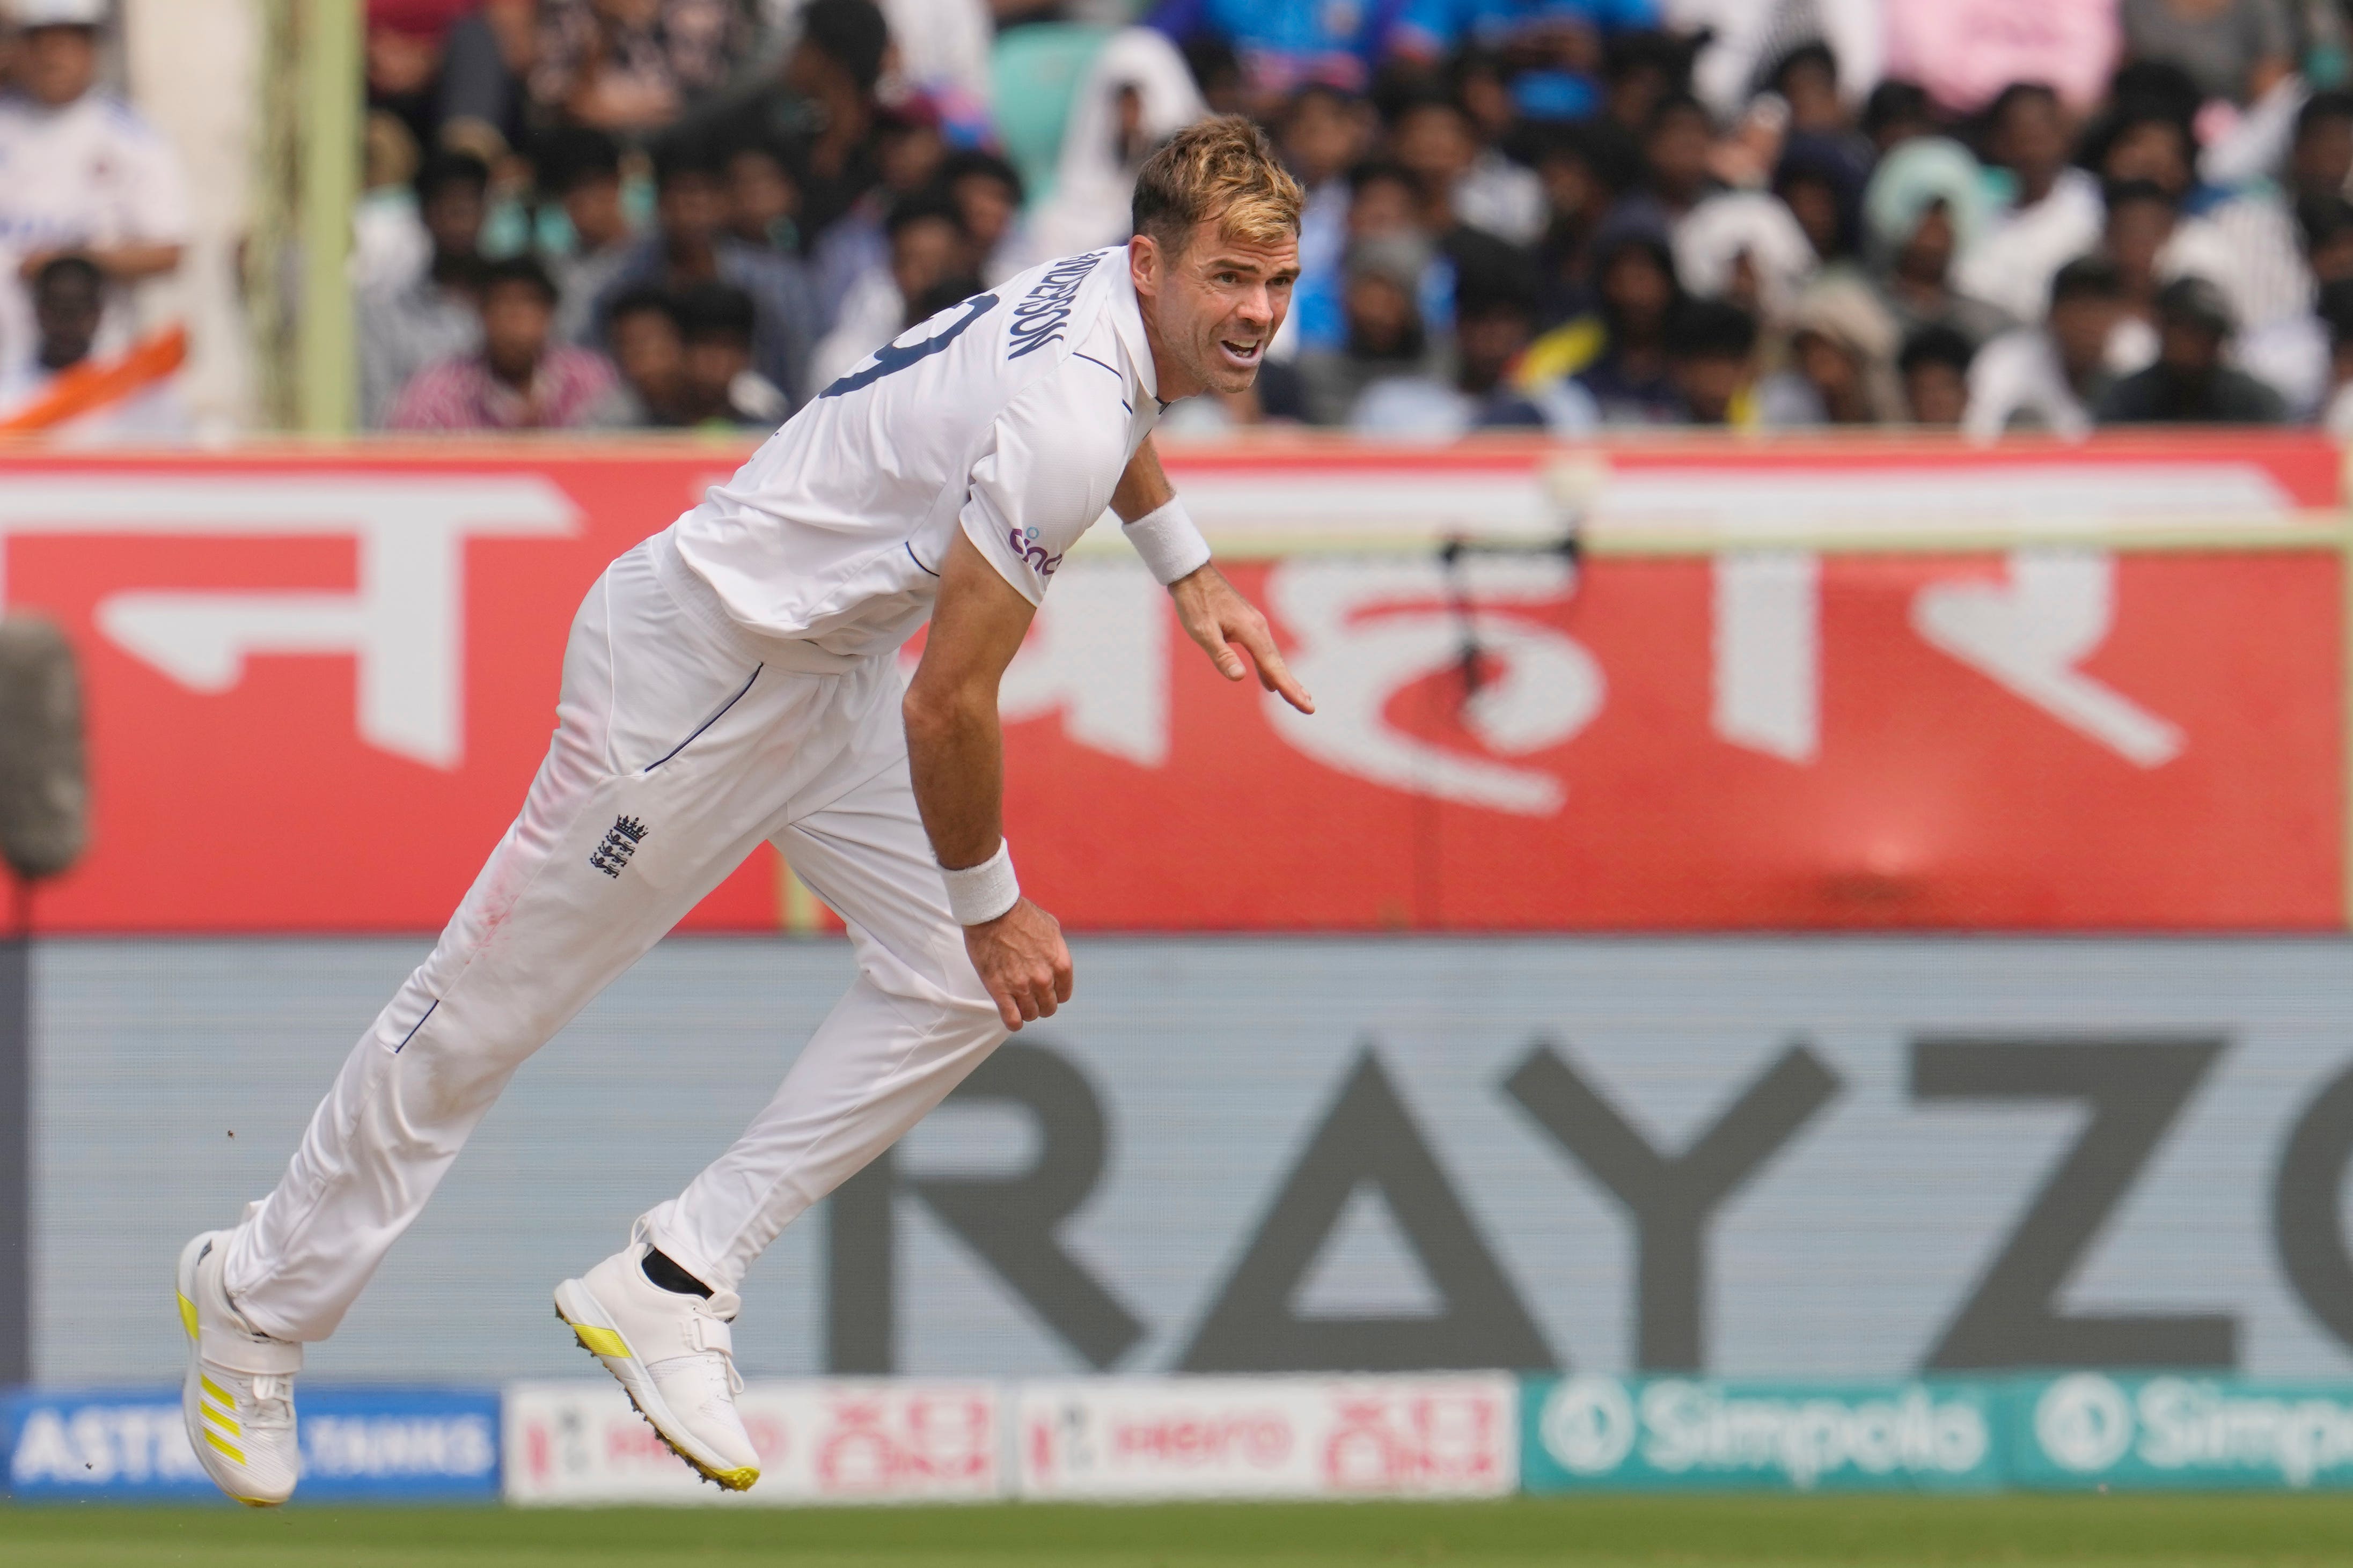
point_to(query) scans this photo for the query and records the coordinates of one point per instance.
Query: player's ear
(1143, 264)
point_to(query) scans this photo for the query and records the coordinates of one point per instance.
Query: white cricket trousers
(682, 742)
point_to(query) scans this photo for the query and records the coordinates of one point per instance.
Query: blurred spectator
(1821, 181)
(1136, 94)
(2054, 214)
(1434, 138)
(1628, 375)
(2144, 143)
(1965, 51)
(1577, 197)
(520, 379)
(1677, 147)
(2050, 377)
(1933, 369)
(633, 64)
(2191, 382)
(64, 394)
(832, 72)
(485, 60)
(1895, 113)
(1924, 205)
(1385, 333)
(1281, 44)
(928, 245)
(2320, 155)
(649, 350)
(1494, 317)
(940, 53)
(1747, 39)
(2140, 224)
(408, 323)
(84, 173)
(763, 197)
(404, 49)
(909, 153)
(389, 245)
(1323, 134)
(2336, 310)
(691, 246)
(2327, 227)
(1806, 78)
(2233, 49)
(1555, 47)
(583, 170)
(722, 386)
(1383, 199)
(1745, 246)
(1712, 357)
(1842, 370)
(986, 191)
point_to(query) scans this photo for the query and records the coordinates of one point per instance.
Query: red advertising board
(317, 684)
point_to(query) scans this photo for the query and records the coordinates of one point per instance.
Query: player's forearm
(1143, 488)
(130, 263)
(955, 751)
(1154, 520)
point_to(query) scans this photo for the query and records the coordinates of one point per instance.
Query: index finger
(1273, 673)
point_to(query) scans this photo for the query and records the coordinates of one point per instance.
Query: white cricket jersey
(93, 173)
(1010, 417)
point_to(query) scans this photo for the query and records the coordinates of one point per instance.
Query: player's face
(1217, 306)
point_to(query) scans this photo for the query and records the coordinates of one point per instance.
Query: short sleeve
(1052, 460)
(157, 191)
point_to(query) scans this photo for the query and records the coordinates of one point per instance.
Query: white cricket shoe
(675, 1355)
(239, 1396)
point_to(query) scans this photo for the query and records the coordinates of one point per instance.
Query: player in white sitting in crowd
(735, 678)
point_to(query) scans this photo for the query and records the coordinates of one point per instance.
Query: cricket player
(735, 678)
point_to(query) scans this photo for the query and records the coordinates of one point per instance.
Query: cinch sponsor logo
(1038, 320)
(1592, 1425)
(2087, 1424)
(1045, 565)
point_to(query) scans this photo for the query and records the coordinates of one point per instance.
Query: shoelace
(273, 1403)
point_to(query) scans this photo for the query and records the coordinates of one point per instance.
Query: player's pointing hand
(1219, 619)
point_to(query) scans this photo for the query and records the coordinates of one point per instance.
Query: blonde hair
(1224, 169)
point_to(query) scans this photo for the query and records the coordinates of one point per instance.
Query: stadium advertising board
(1608, 1433)
(819, 1442)
(1132, 1439)
(1726, 716)
(359, 1445)
(1853, 1158)
(2101, 1431)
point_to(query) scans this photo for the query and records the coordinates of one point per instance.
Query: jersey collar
(1127, 320)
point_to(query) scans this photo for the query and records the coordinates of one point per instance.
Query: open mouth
(1240, 353)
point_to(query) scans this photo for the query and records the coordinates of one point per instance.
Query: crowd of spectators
(1546, 215)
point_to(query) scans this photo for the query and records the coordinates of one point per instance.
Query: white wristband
(1171, 546)
(979, 894)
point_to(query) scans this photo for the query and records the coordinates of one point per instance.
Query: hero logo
(1045, 565)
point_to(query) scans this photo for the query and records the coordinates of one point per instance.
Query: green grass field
(1615, 1532)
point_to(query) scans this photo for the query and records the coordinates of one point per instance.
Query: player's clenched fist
(1023, 960)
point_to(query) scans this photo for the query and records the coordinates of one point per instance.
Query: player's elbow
(939, 712)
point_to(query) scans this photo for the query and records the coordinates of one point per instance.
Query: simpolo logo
(1589, 1426)
(2085, 1422)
